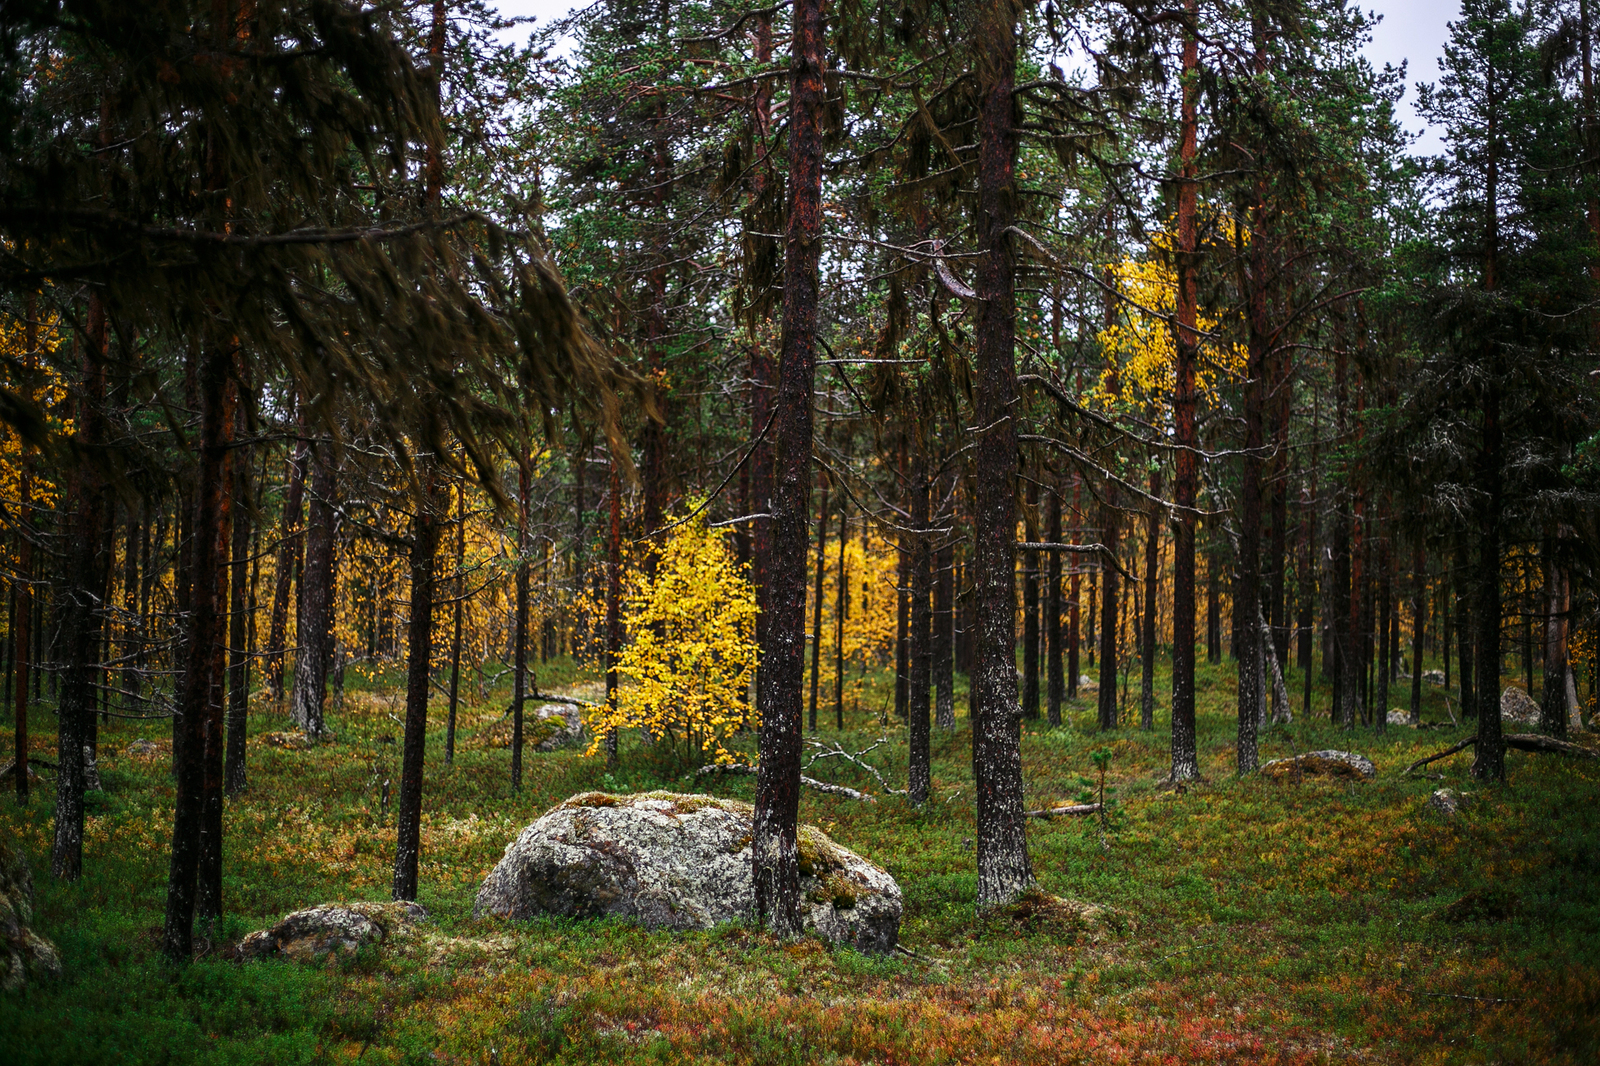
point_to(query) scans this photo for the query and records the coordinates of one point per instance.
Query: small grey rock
(313, 933)
(1448, 801)
(1433, 677)
(1517, 706)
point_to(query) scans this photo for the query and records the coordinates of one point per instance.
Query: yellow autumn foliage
(1139, 347)
(689, 651)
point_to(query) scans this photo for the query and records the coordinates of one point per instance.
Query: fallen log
(1534, 742)
(1063, 812)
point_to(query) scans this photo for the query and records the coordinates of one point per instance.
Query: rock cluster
(680, 862)
(24, 955)
(313, 933)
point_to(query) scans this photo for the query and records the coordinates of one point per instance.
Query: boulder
(143, 749)
(557, 725)
(1448, 801)
(1322, 764)
(1433, 677)
(1517, 706)
(679, 862)
(1399, 717)
(24, 955)
(313, 933)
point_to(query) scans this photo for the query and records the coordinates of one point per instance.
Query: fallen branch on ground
(826, 752)
(810, 782)
(1063, 812)
(1534, 742)
(11, 766)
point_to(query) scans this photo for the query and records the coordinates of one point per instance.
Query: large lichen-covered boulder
(679, 862)
(313, 933)
(24, 955)
(1323, 764)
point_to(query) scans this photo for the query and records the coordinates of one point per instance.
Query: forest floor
(1254, 920)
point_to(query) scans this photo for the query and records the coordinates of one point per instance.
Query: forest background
(746, 375)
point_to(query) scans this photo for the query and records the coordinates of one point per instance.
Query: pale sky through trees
(1412, 31)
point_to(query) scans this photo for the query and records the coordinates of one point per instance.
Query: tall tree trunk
(613, 604)
(234, 779)
(1074, 595)
(1108, 616)
(80, 611)
(1055, 685)
(1030, 608)
(419, 658)
(1147, 620)
(918, 777)
(1489, 762)
(1419, 620)
(208, 896)
(1557, 604)
(1004, 869)
(841, 609)
(195, 823)
(314, 625)
(22, 629)
(1466, 667)
(519, 681)
(458, 590)
(1380, 709)
(816, 608)
(944, 681)
(290, 545)
(774, 852)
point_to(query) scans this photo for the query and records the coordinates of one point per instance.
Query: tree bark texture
(1185, 755)
(290, 545)
(419, 657)
(1004, 869)
(774, 852)
(1055, 683)
(1147, 620)
(919, 773)
(1109, 517)
(234, 777)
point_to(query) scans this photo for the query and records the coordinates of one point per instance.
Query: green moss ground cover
(1253, 921)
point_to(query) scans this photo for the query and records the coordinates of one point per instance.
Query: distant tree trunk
(1466, 669)
(1055, 686)
(1213, 611)
(290, 545)
(208, 898)
(1108, 617)
(314, 626)
(1380, 709)
(841, 609)
(1004, 869)
(196, 820)
(774, 851)
(1557, 605)
(816, 608)
(457, 593)
(1489, 761)
(1185, 754)
(902, 628)
(234, 779)
(1074, 606)
(1147, 620)
(1030, 609)
(1419, 617)
(131, 629)
(919, 774)
(22, 628)
(80, 610)
(519, 682)
(613, 605)
(944, 681)
(419, 659)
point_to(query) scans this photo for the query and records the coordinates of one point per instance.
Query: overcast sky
(1411, 30)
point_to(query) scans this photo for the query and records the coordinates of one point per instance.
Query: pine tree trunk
(1147, 619)
(419, 658)
(457, 593)
(1557, 603)
(290, 545)
(80, 615)
(314, 625)
(1055, 684)
(919, 775)
(1108, 615)
(1075, 612)
(194, 873)
(613, 605)
(1489, 762)
(1030, 609)
(1004, 869)
(944, 639)
(22, 629)
(841, 610)
(1380, 709)
(774, 851)
(816, 609)
(234, 778)
(519, 654)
